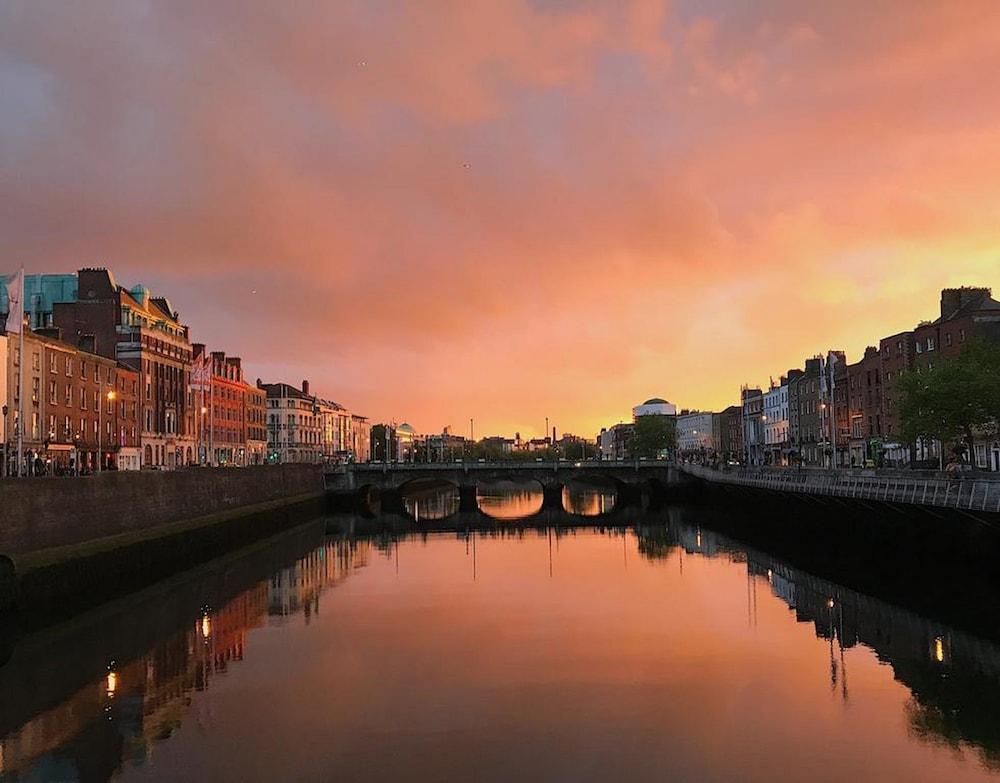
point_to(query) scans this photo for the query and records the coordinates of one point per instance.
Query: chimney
(953, 299)
(88, 343)
(52, 332)
(305, 387)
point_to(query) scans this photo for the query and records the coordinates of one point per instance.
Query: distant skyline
(510, 209)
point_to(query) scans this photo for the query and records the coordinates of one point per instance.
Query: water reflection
(953, 677)
(587, 500)
(510, 499)
(431, 502)
(118, 719)
(532, 653)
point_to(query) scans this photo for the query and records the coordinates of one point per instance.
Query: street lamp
(6, 466)
(203, 444)
(100, 428)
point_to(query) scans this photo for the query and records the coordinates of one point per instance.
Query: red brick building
(224, 421)
(69, 411)
(864, 402)
(144, 333)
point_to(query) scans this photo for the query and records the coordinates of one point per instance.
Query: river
(606, 652)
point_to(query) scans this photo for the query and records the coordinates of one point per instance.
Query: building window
(947, 340)
(961, 335)
(930, 344)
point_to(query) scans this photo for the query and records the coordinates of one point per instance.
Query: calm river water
(662, 652)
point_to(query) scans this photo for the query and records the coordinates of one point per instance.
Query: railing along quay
(963, 493)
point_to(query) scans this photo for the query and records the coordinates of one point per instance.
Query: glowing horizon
(511, 209)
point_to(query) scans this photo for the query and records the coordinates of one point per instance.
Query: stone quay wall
(42, 513)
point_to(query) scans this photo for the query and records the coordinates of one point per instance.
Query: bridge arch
(510, 498)
(427, 498)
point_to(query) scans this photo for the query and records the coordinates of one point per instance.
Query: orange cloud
(510, 209)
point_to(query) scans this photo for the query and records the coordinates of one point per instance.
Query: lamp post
(202, 445)
(6, 451)
(110, 396)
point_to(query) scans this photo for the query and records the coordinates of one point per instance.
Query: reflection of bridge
(630, 479)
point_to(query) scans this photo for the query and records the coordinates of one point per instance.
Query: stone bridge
(630, 479)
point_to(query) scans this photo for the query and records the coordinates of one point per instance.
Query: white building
(294, 423)
(697, 431)
(654, 407)
(776, 423)
(361, 438)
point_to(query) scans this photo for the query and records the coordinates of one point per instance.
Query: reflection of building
(137, 703)
(299, 586)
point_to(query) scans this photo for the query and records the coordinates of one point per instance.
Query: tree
(956, 400)
(651, 435)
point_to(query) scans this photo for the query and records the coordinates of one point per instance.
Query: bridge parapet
(394, 475)
(958, 491)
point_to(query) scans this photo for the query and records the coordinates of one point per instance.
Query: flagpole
(211, 412)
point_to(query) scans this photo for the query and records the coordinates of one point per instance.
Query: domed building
(655, 406)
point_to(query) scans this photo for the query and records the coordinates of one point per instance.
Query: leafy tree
(956, 400)
(652, 434)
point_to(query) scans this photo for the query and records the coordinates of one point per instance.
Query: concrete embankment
(66, 543)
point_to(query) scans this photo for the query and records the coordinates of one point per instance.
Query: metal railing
(965, 493)
(562, 464)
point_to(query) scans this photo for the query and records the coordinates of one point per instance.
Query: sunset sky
(510, 209)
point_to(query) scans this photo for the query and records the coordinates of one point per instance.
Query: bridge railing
(967, 493)
(563, 464)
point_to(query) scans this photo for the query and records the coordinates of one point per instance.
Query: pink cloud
(509, 209)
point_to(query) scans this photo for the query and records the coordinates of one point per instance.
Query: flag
(201, 371)
(15, 308)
